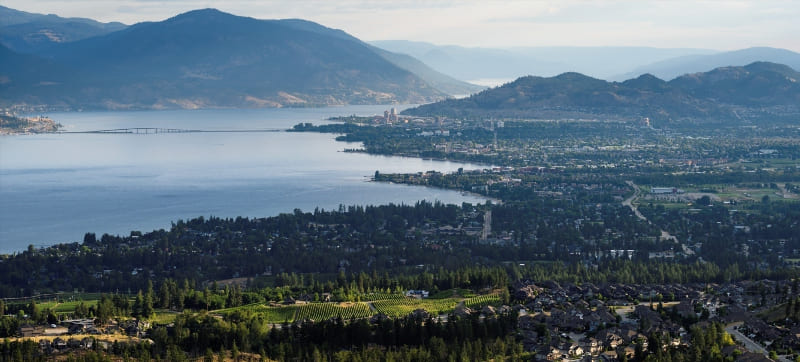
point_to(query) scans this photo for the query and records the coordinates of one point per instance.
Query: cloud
(488, 23)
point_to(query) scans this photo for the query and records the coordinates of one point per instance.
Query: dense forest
(398, 239)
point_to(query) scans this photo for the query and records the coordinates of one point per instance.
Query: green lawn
(164, 317)
(69, 307)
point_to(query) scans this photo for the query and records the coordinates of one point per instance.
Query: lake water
(54, 188)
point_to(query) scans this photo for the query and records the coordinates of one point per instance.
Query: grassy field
(164, 317)
(312, 311)
(69, 307)
(746, 197)
(47, 305)
(272, 314)
(395, 305)
(63, 302)
(65, 307)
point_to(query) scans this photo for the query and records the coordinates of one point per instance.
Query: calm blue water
(55, 188)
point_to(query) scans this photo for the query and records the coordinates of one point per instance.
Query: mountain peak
(207, 12)
(649, 77)
(675, 67)
(645, 81)
(204, 16)
(711, 96)
(31, 33)
(209, 58)
(573, 76)
(769, 67)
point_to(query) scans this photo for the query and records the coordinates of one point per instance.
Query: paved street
(744, 340)
(747, 342)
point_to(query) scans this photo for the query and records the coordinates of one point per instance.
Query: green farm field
(393, 305)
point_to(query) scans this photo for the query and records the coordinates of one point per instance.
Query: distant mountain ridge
(676, 67)
(608, 63)
(28, 32)
(436, 79)
(758, 91)
(207, 58)
(510, 63)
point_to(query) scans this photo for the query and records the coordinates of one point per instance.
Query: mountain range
(494, 66)
(28, 32)
(758, 91)
(207, 58)
(499, 64)
(676, 67)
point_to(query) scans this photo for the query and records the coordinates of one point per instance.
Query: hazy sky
(722, 25)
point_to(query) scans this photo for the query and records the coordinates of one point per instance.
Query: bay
(56, 187)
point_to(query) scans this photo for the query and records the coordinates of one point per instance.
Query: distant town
(10, 124)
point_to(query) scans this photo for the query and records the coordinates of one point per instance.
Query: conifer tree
(138, 304)
(147, 304)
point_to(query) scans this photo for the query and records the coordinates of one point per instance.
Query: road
(487, 225)
(748, 343)
(744, 340)
(629, 203)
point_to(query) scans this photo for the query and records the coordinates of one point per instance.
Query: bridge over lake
(154, 130)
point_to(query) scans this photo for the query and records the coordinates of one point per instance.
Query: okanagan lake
(54, 188)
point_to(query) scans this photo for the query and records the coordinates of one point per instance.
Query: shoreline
(495, 201)
(44, 241)
(13, 125)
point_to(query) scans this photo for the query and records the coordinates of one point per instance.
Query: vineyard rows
(482, 301)
(399, 308)
(271, 314)
(325, 311)
(393, 305)
(384, 296)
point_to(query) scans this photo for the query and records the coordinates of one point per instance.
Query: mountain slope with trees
(29, 32)
(754, 92)
(207, 58)
(675, 67)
